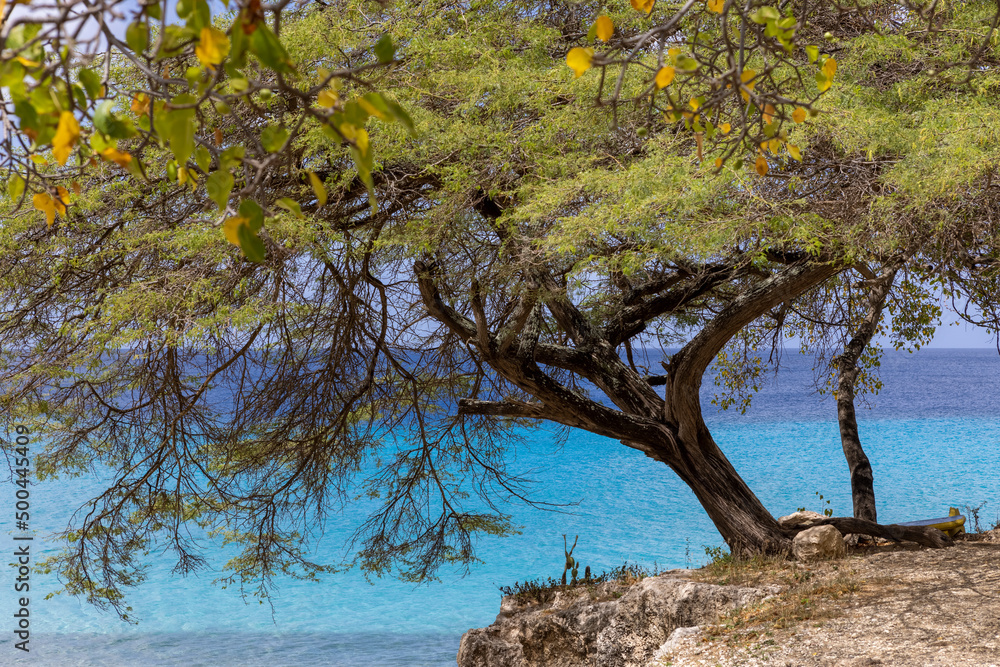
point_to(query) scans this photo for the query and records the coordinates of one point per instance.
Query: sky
(953, 333)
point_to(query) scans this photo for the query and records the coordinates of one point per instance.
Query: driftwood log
(925, 535)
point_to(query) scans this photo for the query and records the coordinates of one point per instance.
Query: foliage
(525, 251)
(824, 505)
(202, 103)
(541, 591)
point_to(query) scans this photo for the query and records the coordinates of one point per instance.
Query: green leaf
(91, 81)
(385, 50)
(399, 113)
(252, 211)
(363, 162)
(273, 138)
(219, 184)
(177, 126)
(26, 113)
(265, 45)
(107, 122)
(250, 244)
(15, 186)
(291, 206)
(812, 52)
(232, 157)
(137, 36)
(200, 17)
(21, 34)
(203, 158)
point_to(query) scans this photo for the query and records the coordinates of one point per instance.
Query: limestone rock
(804, 518)
(819, 543)
(610, 625)
(677, 639)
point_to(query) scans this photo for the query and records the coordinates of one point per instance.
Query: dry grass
(808, 594)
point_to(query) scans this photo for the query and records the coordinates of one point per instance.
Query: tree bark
(670, 428)
(925, 535)
(739, 516)
(862, 476)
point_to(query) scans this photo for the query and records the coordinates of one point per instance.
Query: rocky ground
(887, 605)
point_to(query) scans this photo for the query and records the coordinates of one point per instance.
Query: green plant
(543, 590)
(573, 565)
(827, 511)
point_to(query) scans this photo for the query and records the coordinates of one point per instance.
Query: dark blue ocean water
(933, 436)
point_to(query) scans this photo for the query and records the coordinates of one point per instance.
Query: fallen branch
(925, 535)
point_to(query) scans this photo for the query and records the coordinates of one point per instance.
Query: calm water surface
(932, 436)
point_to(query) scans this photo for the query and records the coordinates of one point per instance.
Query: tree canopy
(442, 236)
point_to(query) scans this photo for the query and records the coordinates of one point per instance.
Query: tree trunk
(739, 516)
(924, 535)
(862, 476)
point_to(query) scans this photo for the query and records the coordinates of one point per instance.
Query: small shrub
(543, 590)
(972, 514)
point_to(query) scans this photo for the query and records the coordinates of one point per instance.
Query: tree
(522, 251)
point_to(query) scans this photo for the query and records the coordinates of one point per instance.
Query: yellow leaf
(118, 157)
(824, 78)
(372, 111)
(140, 104)
(27, 63)
(361, 140)
(213, 47)
(67, 134)
(774, 145)
(61, 201)
(231, 228)
(643, 5)
(673, 53)
(317, 186)
(328, 98)
(794, 152)
(182, 175)
(799, 115)
(718, 163)
(348, 131)
(605, 28)
(716, 5)
(745, 78)
(664, 77)
(725, 127)
(694, 103)
(768, 113)
(761, 165)
(43, 202)
(830, 68)
(763, 146)
(38, 159)
(579, 59)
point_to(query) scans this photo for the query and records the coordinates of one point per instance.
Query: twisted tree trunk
(862, 477)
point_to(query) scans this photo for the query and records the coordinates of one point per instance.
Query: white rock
(819, 543)
(677, 638)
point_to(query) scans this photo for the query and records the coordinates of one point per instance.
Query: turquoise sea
(933, 436)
